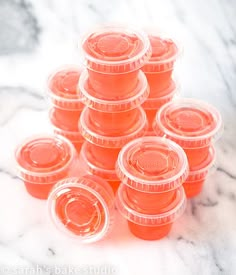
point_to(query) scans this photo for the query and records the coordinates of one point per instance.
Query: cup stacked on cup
(67, 106)
(158, 71)
(151, 197)
(113, 88)
(194, 125)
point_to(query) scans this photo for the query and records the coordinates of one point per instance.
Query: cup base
(149, 233)
(39, 191)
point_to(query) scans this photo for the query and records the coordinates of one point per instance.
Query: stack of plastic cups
(151, 197)
(113, 87)
(158, 71)
(67, 106)
(194, 125)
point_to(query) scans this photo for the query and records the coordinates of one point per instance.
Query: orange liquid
(65, 119)
(113, 122)
(193, 188)
(113, 86)
(150, 113)
(158, 82)
(149, 232)
(196, 155)
(45, 157)
(101, 156)
(114, 184)
(149, 203)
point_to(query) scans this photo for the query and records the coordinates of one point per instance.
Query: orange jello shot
(105, 167)
(151, 169)
(83, 208)
(158, 69)
(43, 161)
(114, 56)
(153, 104)
(118, 114)
(198, 175)
(191, 123)
(150, 226)
(113, 137)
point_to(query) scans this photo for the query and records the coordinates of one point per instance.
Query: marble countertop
(38, 36)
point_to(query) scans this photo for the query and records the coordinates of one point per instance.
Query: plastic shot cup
(114, 56)
(102, 167)
(158, 69)
(62, 88)
(197, 176)
(66, 126)
(153, 104)
(117, 114)
(150, 226)
(42, 161)
(114, 138)
(191, 123)
(151, 169)
(82, 208)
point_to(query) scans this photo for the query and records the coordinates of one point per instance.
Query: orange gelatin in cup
(152, 169)
(114, 138)
(42, 161)
(82, 207)
(102, 165)
(152, 226)
(67, 126)
(158, 69)
(197, 176)
(193, 124)
(152, 104)
(62, 89)
(114, 55)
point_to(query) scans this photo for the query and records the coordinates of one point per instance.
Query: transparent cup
(114, 56)
(42, 161)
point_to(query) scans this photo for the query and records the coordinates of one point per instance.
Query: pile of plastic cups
(120, 140)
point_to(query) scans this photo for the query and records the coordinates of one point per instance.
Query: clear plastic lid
(189, 122)
(90, 98)
(112, 139)
(157, 102)
(62, 88)
(164, 216)
(92, 168)
(82, 207)
(116, 50)
(152, 164)
(165, 51)
(200, 172)
(44, 159)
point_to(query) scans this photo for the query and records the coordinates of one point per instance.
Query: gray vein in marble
(227, 173)
(19, 29)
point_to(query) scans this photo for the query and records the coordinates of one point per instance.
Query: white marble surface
(36, 37)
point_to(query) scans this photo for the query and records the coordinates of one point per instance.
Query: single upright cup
(115, 137)
(153, 104)
(198, 175)
(113, 56)
(62, 88)
(191, 123)
(158, 69)
(102, 164)
(42, 161)
(151, 168)
(150, 226)
(83, 208)
(117, 114)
